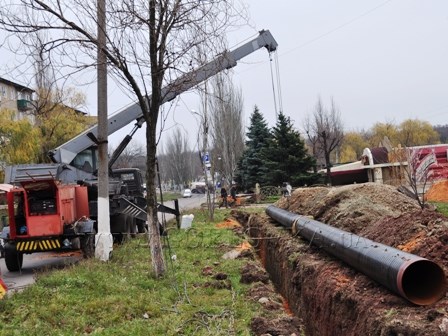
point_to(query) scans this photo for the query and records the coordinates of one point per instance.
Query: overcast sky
(381, 61)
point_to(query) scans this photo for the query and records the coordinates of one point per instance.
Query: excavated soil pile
(329, 296)
(438, 192)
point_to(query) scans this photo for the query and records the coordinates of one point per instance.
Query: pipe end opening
(423, 282)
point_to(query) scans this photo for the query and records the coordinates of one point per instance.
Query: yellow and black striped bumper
(38, 245)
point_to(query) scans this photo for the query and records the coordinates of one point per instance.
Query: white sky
(381, 61)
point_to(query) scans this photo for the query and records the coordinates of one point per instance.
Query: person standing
(233, 194)
(288, 189)
(223, 197)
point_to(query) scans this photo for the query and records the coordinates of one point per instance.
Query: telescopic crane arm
(67, 152)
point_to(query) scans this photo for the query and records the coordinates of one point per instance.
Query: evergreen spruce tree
(287, 159)
(251, 167)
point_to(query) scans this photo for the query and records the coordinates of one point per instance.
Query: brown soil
(252, 272)
(274, 316)
(228, 223)
(331, 297)
(286, 325)
(438, 192)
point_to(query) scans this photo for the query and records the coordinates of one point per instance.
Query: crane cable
(275, 82)
(279, 87)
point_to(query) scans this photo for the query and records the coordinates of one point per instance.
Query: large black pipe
(417, 279)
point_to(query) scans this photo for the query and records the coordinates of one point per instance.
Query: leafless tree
(148, 44)
(204, 135)
(130, 155)
(417, 173)
(324, 130)
(227, 130)
(191, 159)
(312, 142)
(177, 158)
(204, 148)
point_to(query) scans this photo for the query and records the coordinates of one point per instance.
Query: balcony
(24, 105)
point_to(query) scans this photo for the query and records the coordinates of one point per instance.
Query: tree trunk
(328, 164)
(155, 243)
(327, 157)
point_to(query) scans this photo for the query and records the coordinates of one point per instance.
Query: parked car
(186, 193)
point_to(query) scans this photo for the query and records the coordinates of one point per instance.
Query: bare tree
(203, 144)
(312, 142)
(167, 171)
(53, 105)
(44, 72)
(147, 43)
(204, 133)
(177, 158)
(130, 156)
(417, 173)
(227, 131)
(324, 130)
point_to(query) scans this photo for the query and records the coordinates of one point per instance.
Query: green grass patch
(169, 196)
(441, 207)
(121, 296)
(271, 199)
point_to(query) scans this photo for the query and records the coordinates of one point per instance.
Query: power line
(337, 28)
(343, 25)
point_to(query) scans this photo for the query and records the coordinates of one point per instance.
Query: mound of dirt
(331, 297)
(378, 212)
(350, 208)
(438, 192)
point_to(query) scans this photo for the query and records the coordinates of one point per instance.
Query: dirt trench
(330, 297)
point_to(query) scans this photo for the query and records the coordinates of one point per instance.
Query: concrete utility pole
(103, 239)
(205, 158)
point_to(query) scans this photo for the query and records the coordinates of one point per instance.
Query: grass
(121, 296)
(271, 199)
(169, 196)
(441, 207)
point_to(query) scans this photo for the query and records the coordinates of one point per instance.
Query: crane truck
(54, 206)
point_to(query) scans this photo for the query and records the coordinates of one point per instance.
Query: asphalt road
(185, 204)
(35, 263)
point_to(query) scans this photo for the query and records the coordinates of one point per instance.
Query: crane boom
(67, 152)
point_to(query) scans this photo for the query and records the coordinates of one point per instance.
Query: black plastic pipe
(417, 279)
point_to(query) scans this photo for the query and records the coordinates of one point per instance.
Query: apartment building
(15, 97)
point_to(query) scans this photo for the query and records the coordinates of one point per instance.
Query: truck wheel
(88, 245)
(13, 259)
(122, 230)
(141, 226)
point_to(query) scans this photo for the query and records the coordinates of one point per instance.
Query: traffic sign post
(206, 160)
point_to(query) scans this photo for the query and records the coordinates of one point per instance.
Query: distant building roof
(17, 86)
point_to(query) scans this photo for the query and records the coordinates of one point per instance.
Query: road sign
(206, 157)
(206, 160)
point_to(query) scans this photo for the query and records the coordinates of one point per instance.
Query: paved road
(38, 262)
(185, 204)
(33, 264)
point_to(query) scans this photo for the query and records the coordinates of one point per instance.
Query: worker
(288, 189)
(233, 194)
(223, 197)
(284, 189)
